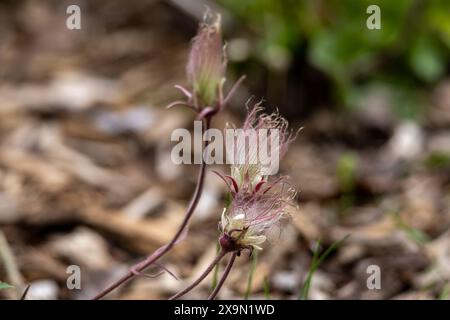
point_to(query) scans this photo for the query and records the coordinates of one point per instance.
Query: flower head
(206, 70)
(253, 169)
(206, 65)
(251, 215)
(258, 201)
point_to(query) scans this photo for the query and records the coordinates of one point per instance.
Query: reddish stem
(208, 270)
(223, 278)
(25, 292)
(155, 256)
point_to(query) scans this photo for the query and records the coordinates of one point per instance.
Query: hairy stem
(155, 256)
(224, 277)
(202, 276)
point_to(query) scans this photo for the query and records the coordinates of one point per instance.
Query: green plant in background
(445, 294)
(4, 285)
(410, 51)
(414, 234)
(346, 168)
(438, 160)
(266, 287)
(315, 263)
(248, 290)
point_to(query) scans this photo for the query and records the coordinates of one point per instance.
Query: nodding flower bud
(206, 65)
(249, 173)
(251, 215)
(257, 203)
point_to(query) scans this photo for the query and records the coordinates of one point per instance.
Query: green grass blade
(445, 294)
(250, 275)
(316, 262)
(305, 289)
(266, 287)
(414, 234)
(4, 285)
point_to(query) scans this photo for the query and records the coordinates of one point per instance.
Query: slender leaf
(445, 294)
(4, 285)
(316, 262)
(266, 287)
(250, 275)
(414, 234)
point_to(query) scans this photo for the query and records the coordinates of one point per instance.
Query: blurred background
(85, 171)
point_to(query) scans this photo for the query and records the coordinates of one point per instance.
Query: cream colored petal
(254, 240)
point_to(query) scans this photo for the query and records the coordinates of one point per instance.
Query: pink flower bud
(251, 215)
(206, 65)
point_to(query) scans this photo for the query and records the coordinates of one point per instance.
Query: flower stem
(202, 276)
(224, 277)
(155, 256)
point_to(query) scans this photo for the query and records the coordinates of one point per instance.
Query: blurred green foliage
(248, 290)
(346, 173)
(414, 234)
(408, 53)
(438, 160)
(266, 288)
(445, 294)
(4, 285)
(317, 260)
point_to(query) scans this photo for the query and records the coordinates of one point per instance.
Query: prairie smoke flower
(257, 203)
(253, 213)
(206, 71)
(252, 170)
(206, 64)
(245, 224)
